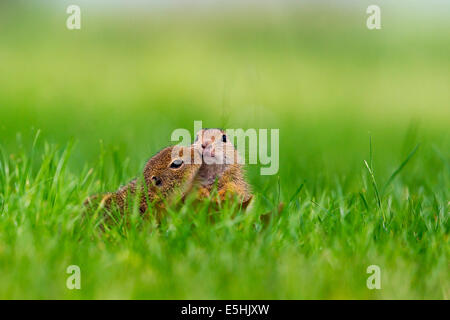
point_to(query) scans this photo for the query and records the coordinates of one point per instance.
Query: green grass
(364, 154)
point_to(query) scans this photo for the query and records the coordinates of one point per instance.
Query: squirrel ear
(156, 180)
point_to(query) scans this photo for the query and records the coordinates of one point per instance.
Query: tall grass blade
(397, 171)
(295, 195)
(374, 183)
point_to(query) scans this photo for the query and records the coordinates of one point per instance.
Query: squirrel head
(216, 147)
(171, 169)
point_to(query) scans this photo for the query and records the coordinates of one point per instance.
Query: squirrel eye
(156, 180)
(224, 138)
(176, 163)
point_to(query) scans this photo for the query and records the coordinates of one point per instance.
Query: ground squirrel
(172, 170)
(220, 162)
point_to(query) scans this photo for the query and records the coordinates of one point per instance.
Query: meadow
(82, 111)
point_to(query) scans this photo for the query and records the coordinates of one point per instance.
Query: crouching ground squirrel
(169, 172)
(220, 163)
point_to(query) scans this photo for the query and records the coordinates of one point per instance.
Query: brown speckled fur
(172, 181)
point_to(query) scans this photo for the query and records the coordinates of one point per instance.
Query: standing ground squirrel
(220, 162)
(168, 172)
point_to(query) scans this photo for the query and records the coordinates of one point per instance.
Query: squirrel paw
(203, 193)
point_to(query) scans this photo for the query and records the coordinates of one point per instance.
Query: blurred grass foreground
(101, 100)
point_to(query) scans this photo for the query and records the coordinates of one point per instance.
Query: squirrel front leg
(226, 192)
(203, 193)
(231, 189)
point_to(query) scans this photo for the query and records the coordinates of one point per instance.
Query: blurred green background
(134, 73)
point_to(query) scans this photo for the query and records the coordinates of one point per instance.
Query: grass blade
(364, 201)
(402, 165)
(294, 196)
(374, 183)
